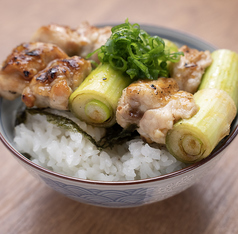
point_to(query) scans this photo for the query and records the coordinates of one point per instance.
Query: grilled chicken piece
(189, 70)
(62, 36)
(155, 123)
(25, 61)
(154, 106)
(52, 86)
(92, 38)
(81, 41)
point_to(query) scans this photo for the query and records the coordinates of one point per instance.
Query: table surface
(208, 207)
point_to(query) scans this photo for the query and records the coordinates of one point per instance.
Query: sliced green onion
(133, 51)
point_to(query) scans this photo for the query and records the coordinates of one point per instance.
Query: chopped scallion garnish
(133, 51)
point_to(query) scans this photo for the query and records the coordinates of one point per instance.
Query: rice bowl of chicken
(132, 174)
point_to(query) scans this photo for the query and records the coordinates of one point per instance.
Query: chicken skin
(80, 41)
(62, 36)
(52, 86)
(25, 61)
(189, 70)
(92, 38)
(154, 106)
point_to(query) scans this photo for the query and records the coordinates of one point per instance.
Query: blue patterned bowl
(125, 193)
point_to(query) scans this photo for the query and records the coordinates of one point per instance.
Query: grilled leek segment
(171, 46)
(95, 100)
(193, 139)
(223, 73)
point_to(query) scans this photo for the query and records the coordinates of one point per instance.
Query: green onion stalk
(170, 47)
(223, 73)
(95, 100)
(193, 139)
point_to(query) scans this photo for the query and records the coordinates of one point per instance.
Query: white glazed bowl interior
(124, 193)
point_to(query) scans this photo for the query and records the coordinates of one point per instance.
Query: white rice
(70, 153)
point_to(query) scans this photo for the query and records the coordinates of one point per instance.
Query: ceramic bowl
(126, 193)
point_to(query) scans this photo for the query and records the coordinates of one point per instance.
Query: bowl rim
(223, 145)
